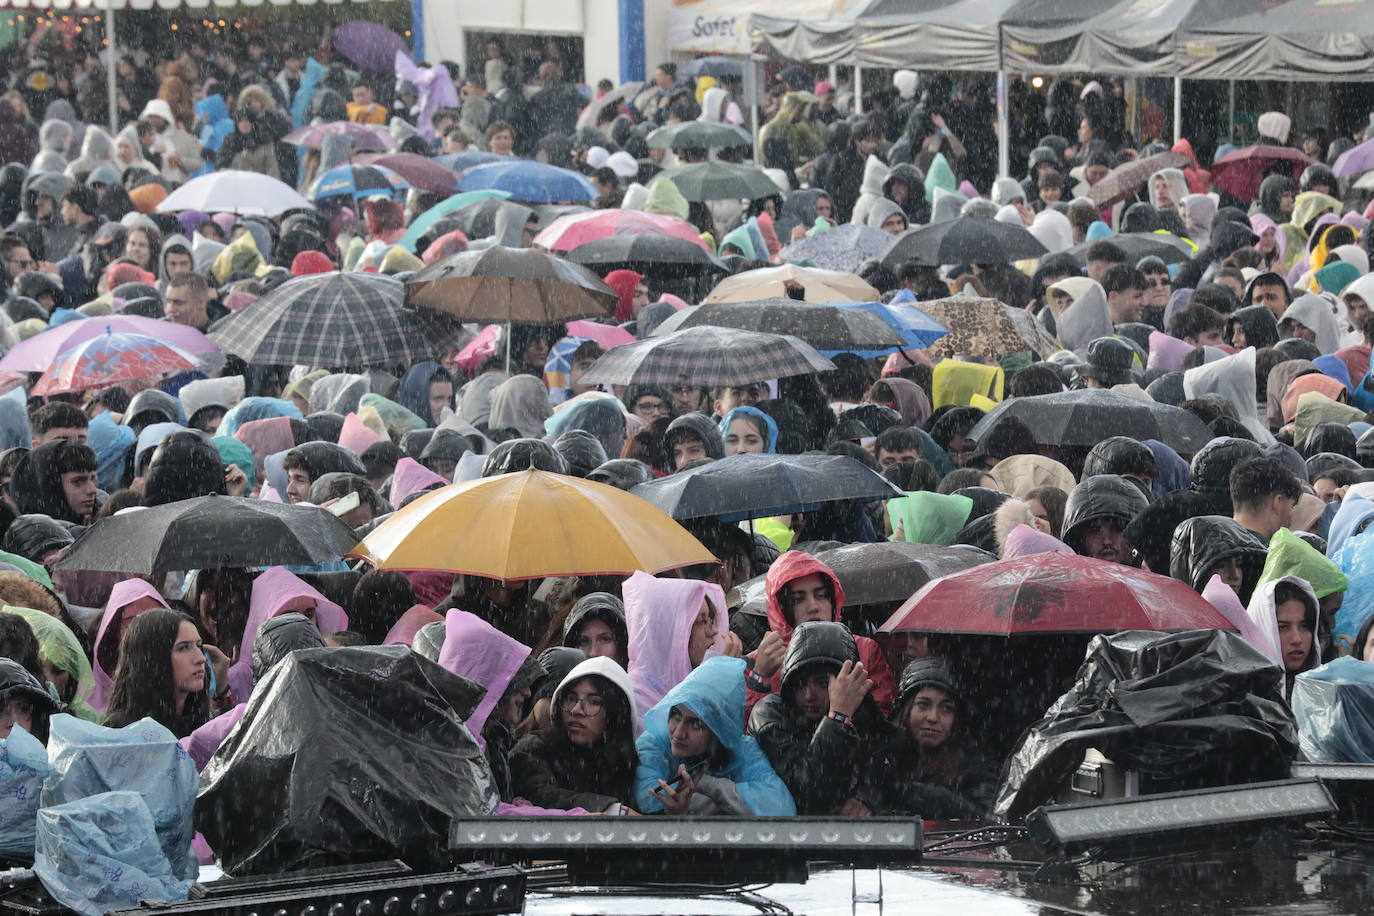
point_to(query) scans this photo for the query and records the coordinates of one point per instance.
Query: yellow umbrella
(528, 525)
(772, 282)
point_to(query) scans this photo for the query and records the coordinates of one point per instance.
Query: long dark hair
(143, 684)
(943, 765)
(616, 749)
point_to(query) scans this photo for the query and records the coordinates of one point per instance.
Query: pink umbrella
(422, 173)
(567, 232)
(364, 138)
(478, 349)
(110, 359)
(40, 351)
(608, 336)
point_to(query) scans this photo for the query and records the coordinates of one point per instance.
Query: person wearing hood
(596, 625)
(127, 600)
(37, 538)
(426, 390)
(520, 404)
(694, 757)
(179, 148)
(186, 465)
(1096, 516)
(252, 147)
(748, 429)
(1275, 198)
(1211, 469)
(1286, 611)
(1311, 317)
(97, 149)
(800, 589)
(1122, 456)
(57, 479)
(1085, 317)
(53, 138)
(1232, 378)
(42, 195)
(875, 173)
(1252, 326)
(1213, 545)
(801, 209)
(823, 733)
(277, 591)
(586, 757)
(305, 463)
(673, 625)
(691, 437)
(905, 186)
(65, 665)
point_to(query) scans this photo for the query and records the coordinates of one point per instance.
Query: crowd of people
(665, 693)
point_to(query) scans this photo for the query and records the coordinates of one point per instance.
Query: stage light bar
(1132, 824)
(1350, 784)
(1335, 772)
(706, 850)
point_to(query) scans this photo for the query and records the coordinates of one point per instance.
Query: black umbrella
(966, 240)
(1086, 417)
(651, 255)
(1167, 247)
(478, 219)
(210, 532)
(720, 181)
(825, 327)
(509, 284)
(699, 135)
(712, 66)
(747, 486)
(706, 356)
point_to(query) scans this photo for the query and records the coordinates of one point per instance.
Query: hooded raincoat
(106, 649)
(271, 590)
(1233, 378)
(1317, 314)
(1203, 542)
(659, 614)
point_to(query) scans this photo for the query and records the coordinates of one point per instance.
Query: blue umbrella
(529, 181)
(461, 162)
(915, 327)
(420, 225)
(358, 182)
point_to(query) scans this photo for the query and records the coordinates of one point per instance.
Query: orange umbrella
(529, 525)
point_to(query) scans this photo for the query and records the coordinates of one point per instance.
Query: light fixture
(697, 850)
(1350, 784)
(1133, 826)
(1037, 82)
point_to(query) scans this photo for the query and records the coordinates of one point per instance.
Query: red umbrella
(1054, 593)
(110, 359)
(1240, 171)
(422, 173)
(568, 232)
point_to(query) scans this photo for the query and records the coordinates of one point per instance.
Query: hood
(1175, 181)
(45, 184)
(36, 485)
(602, 606)
(329, 458)
(413, 391)
(204, 252)
(659, 614)
(1315, 313)
(930, 518)
(770, 426)
(176, 242)
(1171, 471)
(1120, 455)
(714, 692)
(411, 477)
(1257, 321)
(1315, 382)
(96, 146)
(1020, 474)
(476, 650)
(818, 644)
(14, 420)
(1290, 555)
(121, 596)
(603, 667)
(1085, 320)
(225, 392)
(447, 444)
(520, 403)
(339, 393)
(54, 135)
(1280, 378)
(1104, 496)
(798, 209)
(880, 211)
(1200, 543)
(1363, 288)
(474, 402)
(265, 437)
(272, 589)
(711, 107)
(1271, 193)
(931, 671)
(1025, 541)
(1309, 205)
(509, 225)
(185, 465)
(31, 536)
(1233, 378)
(1211, 467)
(700, 426)
(60, 648)
(794, 565)
(664, 197)
(1263, 613)
(876, 173)
(166, 408)
(281, 636)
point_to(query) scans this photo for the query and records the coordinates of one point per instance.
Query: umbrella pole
(508, 332)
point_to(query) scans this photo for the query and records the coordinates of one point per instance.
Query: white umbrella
(233, 191)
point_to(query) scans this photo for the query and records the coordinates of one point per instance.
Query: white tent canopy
(162, 4)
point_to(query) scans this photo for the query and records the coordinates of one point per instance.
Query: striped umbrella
(707, 356)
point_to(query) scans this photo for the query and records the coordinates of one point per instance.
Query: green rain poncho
(940, 175)
(1290, 555)
(397, 420)
(58, 647)
(929, 518)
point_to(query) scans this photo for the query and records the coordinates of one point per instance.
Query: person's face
(19, 261)
(73, 434)
(738, 396)
(1126, 304)
(743, 436)
(1235, 285)
(686, 399)
(297, 486)
(1092, 175)
(663, 80)
(1326, 489)
(1238, 338)
(79, 488)
(70, 212)
(177, 264)
(304, 605)
(501, 142)
(897, 193)
(866, 145)
(1085, 131)
(158, 125)
(1051, 193)
(584, 713)
(1268, 241)
(1295, 635)
(1162, 197)
(1157, 290)
(188, 660)
(1367, 650)
(824, 209)
(894, 224)
(689, 736)
(440, 396)
(1356, 308)
(1230, 572)
(704, 632)
(1058, 301)
(1104, 541)
(931, 718)
(1282, 508)
(454, 145)
(42, 207)
(640, 298)
(136, 247)
(902, 648)
(1311, 147)
(960, 448)
(597, 639)
(501, 592)
(536, 352)
(813, 696)
(808, 599)
(244, 125)
(685, 450)
(1042, 516)
(887, 459)
(16, 712)
(1303, 332)
(362, 95)
(650, 407)
(56, 676)
(1286, 203)
(181, 306)
(509, 709)
(1209, 338)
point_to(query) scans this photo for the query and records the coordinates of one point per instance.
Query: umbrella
(461, 162)
(529, 181)
(108, 359)
(771, 282)
(1166, 246)
(1054, 593)
(720, 181)
(985, 327)
(210, 532)
(1123, 181)
(607, 335)
(234, 191)
(568, 232)
(1086, 417)
(966, 240)
(370, 45)
(749, 485)
(915, 327)
(842, 248)
(346, 320)
(422, 173)
(652, 255)
(422, 223)
(1240, 171)
(530, 525)
(622, 93)
(358, 182)
(38, 352)
(510, 284)
(712, 66)
(825, 327)
(706, 356)
(700, 135)
(1355, 161)
(364, 137)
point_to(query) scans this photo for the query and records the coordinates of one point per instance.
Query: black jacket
(36, 485)
(1120, 455)
(1259, 325)
(1211, 469)
(184, 465)
(1201, 543)
(1104, 496)
(554, 773)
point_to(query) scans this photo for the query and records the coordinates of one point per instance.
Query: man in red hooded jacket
(801, 589)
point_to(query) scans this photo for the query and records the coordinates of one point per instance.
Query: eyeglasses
(592, 704)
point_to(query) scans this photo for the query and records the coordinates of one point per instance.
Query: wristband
(758, 684)
(840, 717)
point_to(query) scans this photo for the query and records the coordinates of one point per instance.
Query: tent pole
(111, 74)
(1003, 127)
(508, 337)
(1231, 119)
(858, 89)
(1178, 108)
(833, 74)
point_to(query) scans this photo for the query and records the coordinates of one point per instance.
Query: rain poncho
(1087, 319)
(396, 421)
(1333, 706)
(413, 391)
(1203, 542)
(121, 596)
(111, 443)
(747, 785)
(1290, 555)
(1262, 611)
(1020, 474)
(522, 404)
(58, 646)
(659, 614)
(256, 408)
(958, 383)
(1315, 409)
(600, 415)
(929, 518)
(1317, 314)
(483, 654)
(239, 256)
(339, 393)
(271, 590)
(770, 428)
(1233, 378)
